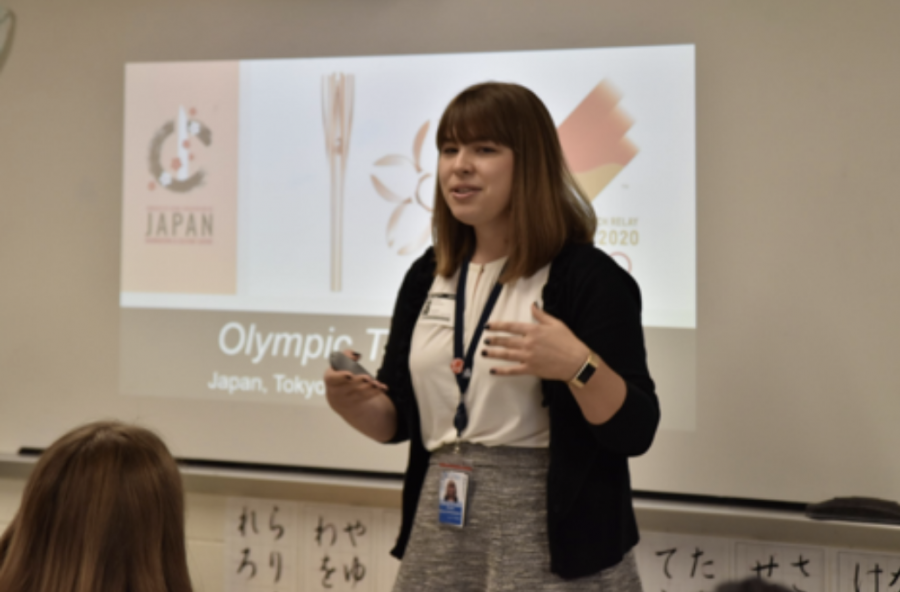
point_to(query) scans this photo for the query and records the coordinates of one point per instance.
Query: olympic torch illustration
(337, 115)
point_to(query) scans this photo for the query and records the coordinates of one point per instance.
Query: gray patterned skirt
(503, 546)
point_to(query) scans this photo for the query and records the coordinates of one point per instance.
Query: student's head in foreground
(751, 584)
(102, 510)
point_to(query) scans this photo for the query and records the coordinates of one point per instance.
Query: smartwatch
(586, 371)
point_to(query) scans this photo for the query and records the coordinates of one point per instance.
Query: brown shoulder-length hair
(547, 208)
(102, 510)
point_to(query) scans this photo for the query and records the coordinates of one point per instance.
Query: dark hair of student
(547, 209)
(751, 584)
(102, 510)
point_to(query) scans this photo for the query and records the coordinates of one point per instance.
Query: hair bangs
(473, 117)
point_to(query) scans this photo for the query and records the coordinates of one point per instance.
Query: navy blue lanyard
(464, 374)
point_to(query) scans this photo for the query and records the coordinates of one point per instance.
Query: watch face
(586, 372)
(590, 366)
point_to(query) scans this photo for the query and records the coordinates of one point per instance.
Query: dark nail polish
(493, 371)
(487, 341)
(484, 353)
(487, 326)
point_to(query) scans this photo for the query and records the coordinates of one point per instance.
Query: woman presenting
(515, 367)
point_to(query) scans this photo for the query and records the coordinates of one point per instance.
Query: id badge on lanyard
(455, 479)
(453, 491)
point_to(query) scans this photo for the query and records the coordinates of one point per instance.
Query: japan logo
(170, 163)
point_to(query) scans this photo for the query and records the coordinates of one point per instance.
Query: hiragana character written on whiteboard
(327, 571)
(771, 566)
(670, 553)
(801, 564)
(696, 555)
(275, 564)
(275, 527)
(355, 572)
(246, 563)
(354, 530)
(245, 518)
(320, 530)
(876, 572)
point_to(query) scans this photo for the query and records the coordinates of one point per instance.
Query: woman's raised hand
(546, 349)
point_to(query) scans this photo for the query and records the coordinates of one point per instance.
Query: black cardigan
(590, 519)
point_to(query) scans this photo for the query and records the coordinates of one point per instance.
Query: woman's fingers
(334, 377)
(516, 341)
(342, 387)
(498, 353)
(517, 370)
(363, 379)
(510, 327)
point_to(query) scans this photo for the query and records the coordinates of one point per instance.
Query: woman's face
(451, 490)
(476, 180)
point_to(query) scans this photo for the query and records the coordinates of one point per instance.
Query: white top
(503, 410)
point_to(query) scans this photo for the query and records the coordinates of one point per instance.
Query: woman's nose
(463, 161)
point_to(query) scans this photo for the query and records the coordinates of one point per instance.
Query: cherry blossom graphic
(409, 226)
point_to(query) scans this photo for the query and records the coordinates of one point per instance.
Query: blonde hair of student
(102, 510)
(547, 208)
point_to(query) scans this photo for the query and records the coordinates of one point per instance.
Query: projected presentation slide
(272, 207)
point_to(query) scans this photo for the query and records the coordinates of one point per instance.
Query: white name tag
(439, 308)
